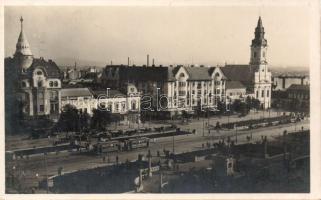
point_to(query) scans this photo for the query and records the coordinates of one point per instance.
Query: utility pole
(235, 134)
(203, 126)
(174, 141)
(47, 184)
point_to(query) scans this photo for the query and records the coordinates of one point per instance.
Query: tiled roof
(198, 73)
(242, 73)
(234, 85)
(75, 92)
(143, 73)
(51, 69)
(299, 87)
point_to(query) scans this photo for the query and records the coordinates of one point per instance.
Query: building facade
(86, 100)
(34, 82)
(187, 87)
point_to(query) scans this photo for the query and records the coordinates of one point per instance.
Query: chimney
(153, 62)
(147, 60)
(128, 61)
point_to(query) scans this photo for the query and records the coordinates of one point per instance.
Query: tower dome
(23, 51)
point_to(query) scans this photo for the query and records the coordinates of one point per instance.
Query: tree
(100, 119)
(240, 107)
(69, 119)
(84, 120)
(256, 104)
(221, 107)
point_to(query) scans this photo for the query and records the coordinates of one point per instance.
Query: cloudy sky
(172, 35)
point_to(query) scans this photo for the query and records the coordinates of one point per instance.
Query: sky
(207, 35)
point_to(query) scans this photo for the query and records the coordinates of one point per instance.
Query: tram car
(136, 143)
(106, 147)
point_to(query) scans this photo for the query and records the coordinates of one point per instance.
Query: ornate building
(34, 83)
(255, 76)
(186, 88)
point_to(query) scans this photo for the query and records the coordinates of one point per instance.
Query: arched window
(56, 83)
(133, 105)
(39, 73)
(50, 83)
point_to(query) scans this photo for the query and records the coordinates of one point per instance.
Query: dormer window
(39, 73)
(51, 84)
(182, 75)
(56, 83)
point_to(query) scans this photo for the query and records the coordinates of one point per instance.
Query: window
(257, 94)
(133, 105)
(41, 108)
(39, 73)
(53, 95)
(23, 84)
(50, 83)
(268, 93)
(262, 95)
(123, 106)
(56, 83)
(193, 91)
(182, 75)
(39, 83)
(181, 93)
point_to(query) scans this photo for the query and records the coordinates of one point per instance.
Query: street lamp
(235, 133)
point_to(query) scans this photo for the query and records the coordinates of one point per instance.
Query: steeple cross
(21, 21)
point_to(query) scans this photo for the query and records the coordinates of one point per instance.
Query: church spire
(21, 21)
(259, 39)
(22, 46)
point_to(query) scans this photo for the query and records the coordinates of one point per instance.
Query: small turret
(23, 52)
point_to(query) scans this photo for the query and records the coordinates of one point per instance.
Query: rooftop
(234, 85)
(299, 87)
(75, 92)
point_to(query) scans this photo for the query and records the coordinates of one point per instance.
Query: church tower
(259, 45)
(258, 62)
(23, 53)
